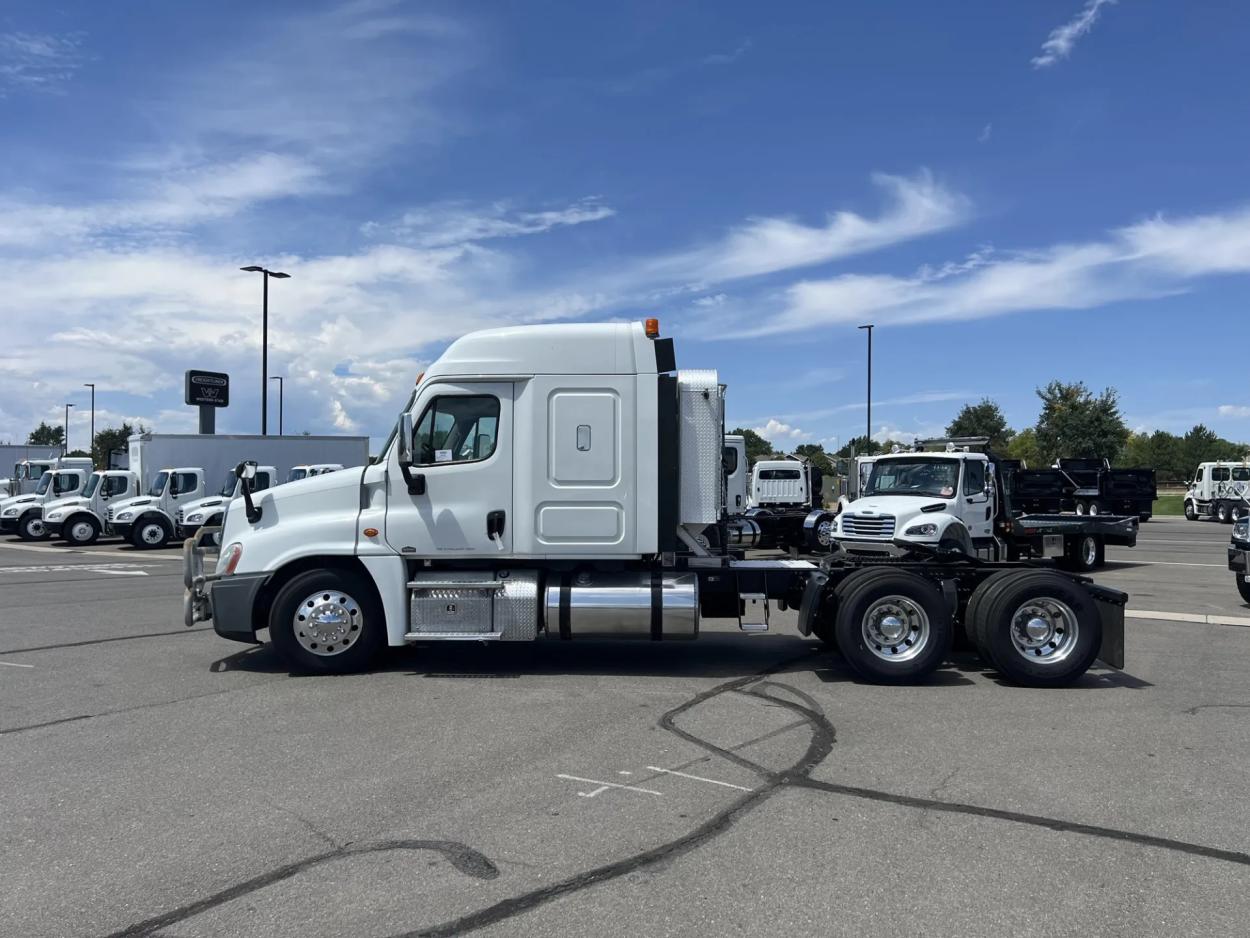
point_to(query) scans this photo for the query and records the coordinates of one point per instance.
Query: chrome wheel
(824, 532)
(327, 622)
(895, 628)
(1044, 630)
(1080, 508)
(1094, 508)
(1089, 552)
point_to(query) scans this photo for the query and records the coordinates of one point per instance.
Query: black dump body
(1084, 481)
(1033, 501)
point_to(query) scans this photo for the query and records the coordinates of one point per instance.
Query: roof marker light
(652, 327)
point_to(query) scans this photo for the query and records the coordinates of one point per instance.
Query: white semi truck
(80, 519)
(1219, 491)
(173, 469)
(23, 514)
(553, 481)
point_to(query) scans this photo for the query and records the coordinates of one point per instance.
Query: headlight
(10, 512)
(921, 530)
(194, 519)
(229, 559)
(1241, 530)
(125, 516)
(53, 516)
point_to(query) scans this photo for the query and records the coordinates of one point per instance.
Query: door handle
(495, 521)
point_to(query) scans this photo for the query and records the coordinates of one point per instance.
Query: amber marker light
(652, 327)
(371, 532)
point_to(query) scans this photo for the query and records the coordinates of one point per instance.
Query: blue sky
(1011, 192)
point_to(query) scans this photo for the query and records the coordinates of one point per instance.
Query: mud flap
(809, 608)
(1110, 604)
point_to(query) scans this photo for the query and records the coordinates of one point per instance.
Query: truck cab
(785, 483)
(79, 519)
(297, 473)
(945, 499)
(23, 514)
(148, 521)
(193, 515)
(737, 472)
(1219, 491)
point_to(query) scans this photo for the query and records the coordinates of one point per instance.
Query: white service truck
(307, 472)
(553, 481)
(1219, 491)
(80, 519)
(23, 514)
(173, 469)
(209, 511)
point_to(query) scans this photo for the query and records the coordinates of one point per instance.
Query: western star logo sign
(208, 388)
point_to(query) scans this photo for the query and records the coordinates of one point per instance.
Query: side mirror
(245, 472)
(405, 439)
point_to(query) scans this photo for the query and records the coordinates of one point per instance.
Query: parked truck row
(566, 482)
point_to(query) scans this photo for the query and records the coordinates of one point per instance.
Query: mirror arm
(414, 481)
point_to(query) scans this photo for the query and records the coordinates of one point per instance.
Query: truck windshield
(93, 483)
(935, 477)
(296, 474)
(44, 481)
(227, 487)
(158, 485)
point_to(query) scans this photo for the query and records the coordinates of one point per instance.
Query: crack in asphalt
(465, 859)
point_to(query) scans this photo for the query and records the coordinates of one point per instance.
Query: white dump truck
(80, 519)
(173, 470)
(23, 514)
(552, 481)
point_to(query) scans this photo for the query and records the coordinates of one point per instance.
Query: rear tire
(1082, 554)
(979, 595)
(327, 622)
(892, 626)
(81, 531)
(1222, 513)
(1095, 509)
(1040, 630)
(150, 534)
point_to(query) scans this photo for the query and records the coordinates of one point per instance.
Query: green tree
(1077, 423)
(757, 447)
(816, 455)
(861, 446)
(45, 435)
(1203, 445)
(109, 440)
(982, 419)
(1023, 446)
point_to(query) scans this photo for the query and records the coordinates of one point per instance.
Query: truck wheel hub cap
(35, 528)
(152, 533)
(327, 623)
(895, 628)
(81, 531)
(1044, 630)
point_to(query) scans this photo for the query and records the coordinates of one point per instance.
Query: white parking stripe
(13, 664)
(46, 549)
(698, 778)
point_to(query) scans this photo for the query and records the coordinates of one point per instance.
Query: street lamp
(91, 447)
(65, 434)
(869, 328)
(264, 343)
(278, 378)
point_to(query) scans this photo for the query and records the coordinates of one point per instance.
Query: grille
(868, 525)
(178, 518)
(108, 515)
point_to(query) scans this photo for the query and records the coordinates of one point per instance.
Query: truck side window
(1219, 474)
(183, 482)
(1198, 477)
(974, 477)
(65, 483)
(1241, 474)
(457, 430)
(261, 482)
(116, 485)
(730, 460)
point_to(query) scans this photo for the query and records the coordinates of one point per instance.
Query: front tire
(892, 627)
(30, 527)
(149, 534)
(1243, 588)
(1042, 630)
(327, 622)
(1190, 513)
(81, 531)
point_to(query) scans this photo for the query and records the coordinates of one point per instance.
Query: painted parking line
(14, 664)
(699, 778)
(604, 786)
(77, 552)
(110, 569)
(1198, 617)
(1167, 563)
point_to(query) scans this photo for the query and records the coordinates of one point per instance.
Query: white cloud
(727, 58)
(1159, 257)
(449, 223)
(38, 62)
(1234, 410)
(915, 206)
(890, 433)
(782, 434)
(986, 132)
(1062, 39)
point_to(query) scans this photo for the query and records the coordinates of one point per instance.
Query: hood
(201, 503)
(18, 500)
(70, 502)
(133, 503)
(900, 506)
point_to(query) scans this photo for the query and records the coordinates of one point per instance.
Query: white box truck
(552, 481)
(17, 474)
(174, 469)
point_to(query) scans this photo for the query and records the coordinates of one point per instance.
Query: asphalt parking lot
(163, 781)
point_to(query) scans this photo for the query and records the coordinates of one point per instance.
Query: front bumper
(8, 525)
(53, 528)
(227, 601)
(121, 529)
(1237, 557)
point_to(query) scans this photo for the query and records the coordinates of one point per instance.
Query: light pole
(264, 343)
(278, 378)
(869, 328)
(91, 447)
(65, 433)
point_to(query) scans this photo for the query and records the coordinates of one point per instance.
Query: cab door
(978, 511)
(459, 500)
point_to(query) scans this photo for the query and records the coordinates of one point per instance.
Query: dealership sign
(208, 388)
